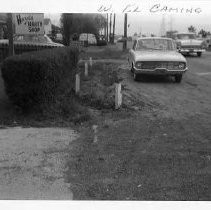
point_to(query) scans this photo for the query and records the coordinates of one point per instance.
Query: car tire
(131, 69)
(178, 78)
(135, 76)
(199, 54)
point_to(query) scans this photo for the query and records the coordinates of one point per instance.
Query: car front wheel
(178, 78)
(135, 76)
(131, 68)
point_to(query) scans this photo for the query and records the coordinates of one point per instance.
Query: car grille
(160, 64)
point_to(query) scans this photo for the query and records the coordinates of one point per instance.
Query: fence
(22, 48)
(79, 44)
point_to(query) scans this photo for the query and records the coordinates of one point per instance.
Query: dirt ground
(158, 149)
(32, 163)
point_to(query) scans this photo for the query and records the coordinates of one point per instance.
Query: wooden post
(90, 62)
(86, 69)
(10, 33)
(77, 83)
(118, 96)
(94, 127)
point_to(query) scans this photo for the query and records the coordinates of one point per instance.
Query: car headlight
(138, 65)
(182, 65)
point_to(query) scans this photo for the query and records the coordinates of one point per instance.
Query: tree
(203, 33)
(66, 27)
(55, 30)
(72, 24)
(192, 29)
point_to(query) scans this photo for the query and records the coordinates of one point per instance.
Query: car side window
(134, 45)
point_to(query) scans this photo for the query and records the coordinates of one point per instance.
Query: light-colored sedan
(188, 43)
(157, 56)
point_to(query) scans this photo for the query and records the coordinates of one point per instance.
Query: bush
(33, 79)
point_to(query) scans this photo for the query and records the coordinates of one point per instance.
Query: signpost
(10, 33)
(29, 23)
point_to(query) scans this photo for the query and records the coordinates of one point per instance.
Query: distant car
(90, 39)
(101, 40)
(188, 43)
(156, 56)
(32, 40)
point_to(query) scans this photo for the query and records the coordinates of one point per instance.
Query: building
(3, 19)
(47, 26)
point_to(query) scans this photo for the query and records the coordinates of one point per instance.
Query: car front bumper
(185, 50)
(159, 71)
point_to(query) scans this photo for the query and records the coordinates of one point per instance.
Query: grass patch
(140, 165)
(98, 89)
(107, 52)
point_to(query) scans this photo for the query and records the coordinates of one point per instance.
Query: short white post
(77, 83)
(94, 127)
(90, 62)
(86, 69)
(118, 95)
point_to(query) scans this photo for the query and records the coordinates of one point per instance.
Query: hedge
(34, 78)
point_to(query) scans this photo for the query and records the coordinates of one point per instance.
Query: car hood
(190, 42)
(155, 55)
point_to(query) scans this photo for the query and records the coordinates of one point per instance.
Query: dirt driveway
(33, 161)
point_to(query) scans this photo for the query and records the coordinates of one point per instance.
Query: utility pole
(10, 34)
(163, 26)
(107, 27)
(114, 27)
(125, 33)
(110, 27)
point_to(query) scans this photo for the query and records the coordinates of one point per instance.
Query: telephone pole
(163, 26)
(10, 34)
(110, 27)
(107, 27)
(125, 33)
(114, 27)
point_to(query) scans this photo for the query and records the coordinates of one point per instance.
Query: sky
(142, 21)
(148, 24)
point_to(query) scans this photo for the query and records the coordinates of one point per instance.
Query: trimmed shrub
(33, 79)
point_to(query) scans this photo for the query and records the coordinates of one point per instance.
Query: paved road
(189, 98)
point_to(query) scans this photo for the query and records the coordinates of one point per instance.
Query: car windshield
(186, 36)
(25, 38)
(155, 44)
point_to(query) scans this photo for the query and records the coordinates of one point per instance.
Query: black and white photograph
(106, 103)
